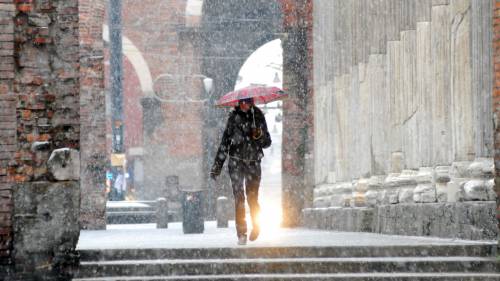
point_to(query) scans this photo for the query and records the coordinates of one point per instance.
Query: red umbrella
(260, 95)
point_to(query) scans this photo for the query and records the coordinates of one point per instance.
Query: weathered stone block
(424, 175)
(453, 190)
(424, 193)
(399, 180)
(475, 190)
(322, 202)
(441, 192)
(64, 164)
(361, 185)
(39, 19)
(460, 169)
(40, 146)
(389, 196)
(376, 182)
(46, 225)
(339, 219)
(481, 168)
(490, 189)
(339, 194)
(372, 197)
(405, 195)
(442, 174)
(464, 220)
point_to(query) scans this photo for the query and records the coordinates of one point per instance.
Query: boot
(255, 233)
(242, 240)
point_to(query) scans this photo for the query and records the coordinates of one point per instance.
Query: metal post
(116, 72)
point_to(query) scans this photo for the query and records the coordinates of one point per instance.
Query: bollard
(192, 211)
(161, 213)
(222, 212)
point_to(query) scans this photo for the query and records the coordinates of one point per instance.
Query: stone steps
(128, 217)
(133, 212)
(183, 267)
(470, 250)
(428, 262)
(317, 277)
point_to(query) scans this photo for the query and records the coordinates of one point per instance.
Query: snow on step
(316, 277)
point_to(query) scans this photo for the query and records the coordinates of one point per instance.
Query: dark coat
(237, 140)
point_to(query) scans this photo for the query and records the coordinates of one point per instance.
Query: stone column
(482, 77)
(461, 77)
(298, 118)
(423, 92)
(92, 115)
(440, 53)
(47, 88)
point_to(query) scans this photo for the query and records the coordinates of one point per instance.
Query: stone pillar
(161, 213)
(223, 211)
(462, 106)
(440, 53)
(423, 91)
(46, 84)
(92, 115)
(394, 91)
(482, 25)
(409, 102)
(298, 137)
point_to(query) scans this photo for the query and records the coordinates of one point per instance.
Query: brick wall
(39, 108)
(172, 142)
(92, 114)
(298, 115)
(496, 97)
(7, 128)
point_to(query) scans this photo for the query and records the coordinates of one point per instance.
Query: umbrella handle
(256, 132)
(253, 115)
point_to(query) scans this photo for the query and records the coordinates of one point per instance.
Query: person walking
(120, 186)
(243, 141)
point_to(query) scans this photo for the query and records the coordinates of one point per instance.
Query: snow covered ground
(142, 236)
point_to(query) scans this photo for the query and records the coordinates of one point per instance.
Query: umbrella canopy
(260, 95)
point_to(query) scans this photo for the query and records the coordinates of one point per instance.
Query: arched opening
(160, 109)
(264, 67)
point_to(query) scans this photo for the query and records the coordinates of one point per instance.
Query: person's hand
(215, 172)
(256, 133)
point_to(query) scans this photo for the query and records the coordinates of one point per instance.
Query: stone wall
(403, 99)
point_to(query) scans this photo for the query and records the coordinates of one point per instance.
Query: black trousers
(245, 179)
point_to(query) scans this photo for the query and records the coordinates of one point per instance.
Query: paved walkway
(146, 236)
